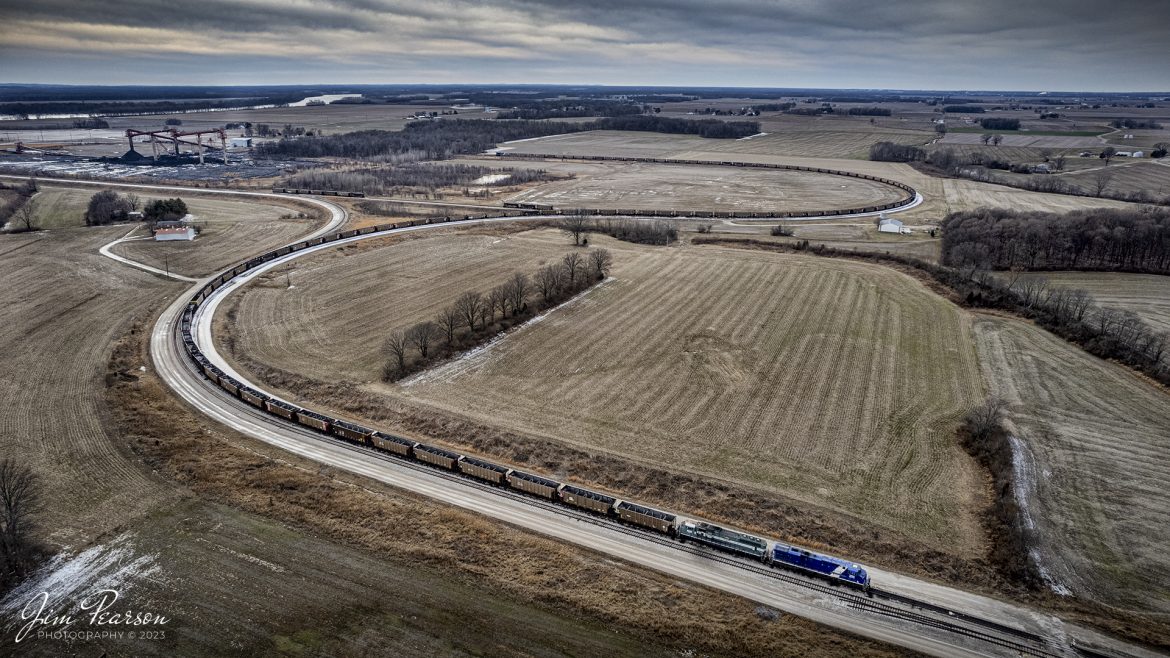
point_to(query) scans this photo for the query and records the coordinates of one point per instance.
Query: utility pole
(167, 263)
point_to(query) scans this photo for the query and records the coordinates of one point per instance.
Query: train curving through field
(771, 552)
(909, 198)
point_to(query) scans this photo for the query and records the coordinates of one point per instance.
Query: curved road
(175, 369)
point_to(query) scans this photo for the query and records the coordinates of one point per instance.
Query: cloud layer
(935, 44)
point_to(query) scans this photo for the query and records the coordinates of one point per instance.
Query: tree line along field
(1147, 295)
(832, 382)
(1092, 462)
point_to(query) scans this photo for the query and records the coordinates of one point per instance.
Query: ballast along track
(909, 198)
(531, 488)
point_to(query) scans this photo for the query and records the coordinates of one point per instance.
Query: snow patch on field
(69, 579)
(1024, 476)
(491, 179)
(741, 139)
(477, 355)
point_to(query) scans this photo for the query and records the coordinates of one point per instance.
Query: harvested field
(941, 195)
(669, 367)
(650, 186)
(209, 528)
(1025, 140)
(1125, 177)
(1097, 460)
(1148, 295)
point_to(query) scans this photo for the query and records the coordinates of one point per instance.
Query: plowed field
(833, 382)
(1095, 465)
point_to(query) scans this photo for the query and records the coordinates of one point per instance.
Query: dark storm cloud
(1069, 44)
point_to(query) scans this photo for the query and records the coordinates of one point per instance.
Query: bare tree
(396, 346)
(518, 289)
(1101, 180)
(986, 137)
(1079, 303)
(133, 200)
(575, 226)
(997, 139)
(422, 335)
(1032, 289)
(601, 261)
(987, 417)
(450, 319)
(20, 494)
(498, 298)
(1107, 154)
(548, 279)
(26, 215)
(572, 262)
(468, 305)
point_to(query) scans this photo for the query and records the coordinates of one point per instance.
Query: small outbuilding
(175, 233)
(887, 225)
(240, 142)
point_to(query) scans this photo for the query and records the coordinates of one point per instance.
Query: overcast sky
(895, 44)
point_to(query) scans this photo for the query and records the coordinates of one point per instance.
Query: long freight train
(775, 553)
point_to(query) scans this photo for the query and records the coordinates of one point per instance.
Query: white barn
(887, 225)
(175, 233)
(240, 142)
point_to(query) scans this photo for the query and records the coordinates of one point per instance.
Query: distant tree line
(963, 109)
(393, 179)
(25, 110)
(999, 123)
(1145, 124)
(870, 111)
(894, 152)
(476, 317)
(773, 107)
(1100, 239)
(658, 231)
(553, 109)
(437, 140)
(1072, 314)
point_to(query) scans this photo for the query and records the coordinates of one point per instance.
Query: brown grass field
(211, 529)
(720, 362)
(1095, 478)
(646, 186)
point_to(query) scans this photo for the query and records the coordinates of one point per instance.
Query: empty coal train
(774, 553)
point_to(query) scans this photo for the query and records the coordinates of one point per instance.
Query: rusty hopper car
(252, 396)
(586, 499)
(391, 443)
(281, 408)
(647, 517)
(533, 484)
(436, 456)
(227, 384)
(313, 419)
(477, 468)
(351, 431)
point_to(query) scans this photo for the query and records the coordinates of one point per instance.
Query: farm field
(1125, 177)
(717, 361)
(647, 186)
(1097, 441)
(208, 528)
(941, 195)
(1148, 295)
(1024, 140)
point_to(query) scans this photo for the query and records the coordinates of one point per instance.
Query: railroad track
(939, 618)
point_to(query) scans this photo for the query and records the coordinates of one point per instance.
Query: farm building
(887, 225)
(175, 233)
(240, 142)
(1138, 154)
